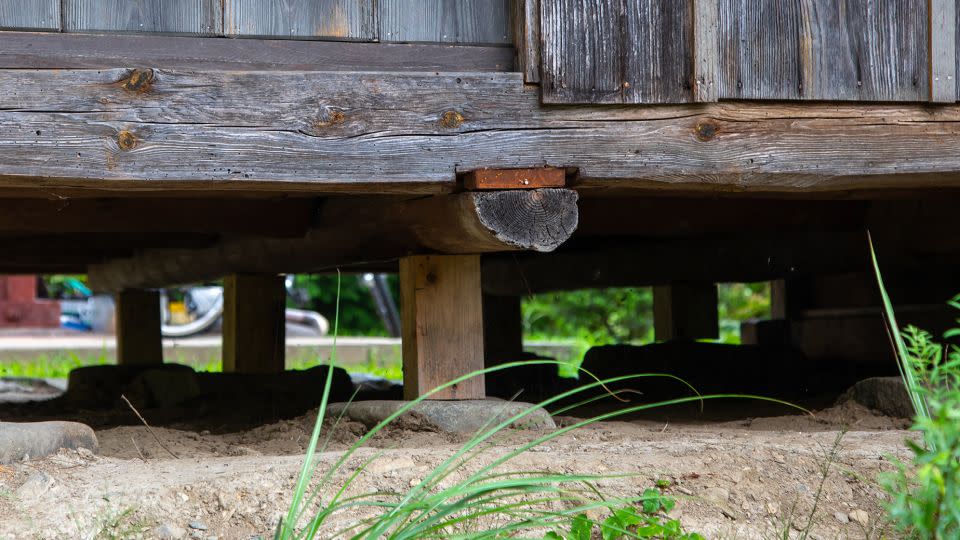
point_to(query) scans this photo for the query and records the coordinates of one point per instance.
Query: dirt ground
(748, 478)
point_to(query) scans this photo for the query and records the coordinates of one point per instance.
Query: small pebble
(860, 517)
(197, 525)
(842, 517)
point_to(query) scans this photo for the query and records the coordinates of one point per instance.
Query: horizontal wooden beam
(266, 217)
(76, 51)
(150, 129)
(354, 230)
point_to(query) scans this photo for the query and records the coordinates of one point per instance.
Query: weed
(924, 496)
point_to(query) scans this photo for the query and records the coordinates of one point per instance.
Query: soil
(752, 477)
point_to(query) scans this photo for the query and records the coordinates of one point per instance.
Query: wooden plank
(353, 20)
(268, 217)
(609, 51)
(473, 222)
(526, 38)
(73, 51)
(29, 15)
(502, 329)
(254, 325)
(138, 328)
(824, 50)
(442, 322)
(657, 40)
(943, 51)
(589, 67)
(685, 311)
(515, 178)
(325, 132)
(443, 21)
(706, 50)
(190, 17)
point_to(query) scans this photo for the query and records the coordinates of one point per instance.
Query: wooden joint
(545, 177)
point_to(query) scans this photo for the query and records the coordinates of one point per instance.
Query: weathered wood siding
(446, 21)
(189, 17)
(616, 51)
(29, 14)
(317, 19)
(870, 50)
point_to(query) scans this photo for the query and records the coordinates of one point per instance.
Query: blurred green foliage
(358, 314)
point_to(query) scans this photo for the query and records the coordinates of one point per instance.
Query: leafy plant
(925, 498)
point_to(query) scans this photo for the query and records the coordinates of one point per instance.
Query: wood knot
(138, 81)
(431, 278)
(451, 119)
(329, 116)
(126, 140)
(706, 131)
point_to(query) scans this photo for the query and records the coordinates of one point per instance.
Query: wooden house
(485, 149)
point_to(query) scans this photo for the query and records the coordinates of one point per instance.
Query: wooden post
(254, 325)
(138, 328)
(685, 310)
(442, 315)
(502, 329)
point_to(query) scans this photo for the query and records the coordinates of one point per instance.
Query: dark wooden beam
(254, 326)
(368, 229)
(442, 323)
(73, 51)
(143, 129)
(685, 310)
(138, 328)
(264, 217)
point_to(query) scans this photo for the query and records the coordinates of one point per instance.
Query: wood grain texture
(315, 19)
(943, 51)
(445, 21)
(254, 324)
(546, 177)
(526, 38)
(442, 321)
(380, 229)
(616, 51)
(189, 17)
(34, 50)
(582, 51)
(870, 50)
(706, 50)
(138, 328)
(29, 15)
(368, 133)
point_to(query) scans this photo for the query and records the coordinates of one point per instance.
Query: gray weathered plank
(189, 17)
(445, 21)
(616, 51)
(378, 132)
(41, 50)
(874, 50)
(706, 49)
(943, 51)
(581, 51)
(327, 19)
(526, 38)
(30, 14)
(658, 39)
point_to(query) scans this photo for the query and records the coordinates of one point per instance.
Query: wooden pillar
(442, 318)
(138, 328)
(502, 329)
(254, 323)
(685, 310)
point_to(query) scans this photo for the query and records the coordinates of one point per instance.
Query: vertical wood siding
(616, 51)
(446, 21)
(337, 19)
(29, 14)
(871, 50)
(186, 17)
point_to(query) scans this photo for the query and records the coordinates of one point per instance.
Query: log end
(536, 220)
